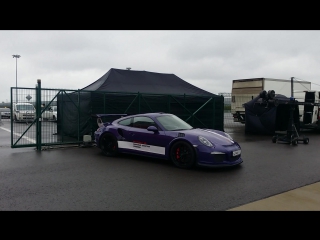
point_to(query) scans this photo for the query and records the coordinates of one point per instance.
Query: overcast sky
(211, 59)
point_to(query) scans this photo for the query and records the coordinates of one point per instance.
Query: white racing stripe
(17, 134)
(141, 147)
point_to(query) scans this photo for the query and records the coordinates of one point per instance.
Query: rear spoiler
(107, 115)
(99, 116)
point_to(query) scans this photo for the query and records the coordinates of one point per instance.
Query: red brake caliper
(178, 153)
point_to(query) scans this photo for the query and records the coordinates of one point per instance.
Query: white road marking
(17, 134)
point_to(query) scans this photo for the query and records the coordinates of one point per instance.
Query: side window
(143, 122)
(126, 122)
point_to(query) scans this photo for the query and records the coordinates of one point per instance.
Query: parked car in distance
(23, 112)
(5, 113)
(166, 136)
(47, 114)
(54, 113)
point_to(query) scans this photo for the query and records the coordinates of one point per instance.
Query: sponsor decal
(138, 146)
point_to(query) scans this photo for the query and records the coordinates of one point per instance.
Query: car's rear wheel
(182, 155)
(109, 145)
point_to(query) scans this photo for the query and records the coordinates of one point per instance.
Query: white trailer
(310, 116)
(244, 90)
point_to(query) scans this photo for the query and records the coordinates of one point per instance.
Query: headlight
(205, 141)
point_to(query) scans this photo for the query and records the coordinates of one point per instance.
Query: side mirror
(152, 128)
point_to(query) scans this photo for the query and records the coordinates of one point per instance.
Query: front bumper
(218, 157)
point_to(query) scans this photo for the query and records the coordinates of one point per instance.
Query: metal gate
(34, 123)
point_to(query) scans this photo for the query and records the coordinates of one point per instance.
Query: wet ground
(79, 178)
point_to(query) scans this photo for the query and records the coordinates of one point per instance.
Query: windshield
(25, 107)
(172, 123)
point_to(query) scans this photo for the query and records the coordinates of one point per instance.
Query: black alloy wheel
(182, 155)
(109, 145)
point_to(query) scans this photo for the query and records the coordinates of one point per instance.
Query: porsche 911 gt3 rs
(166, 136)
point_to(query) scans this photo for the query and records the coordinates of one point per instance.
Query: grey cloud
(207, 59)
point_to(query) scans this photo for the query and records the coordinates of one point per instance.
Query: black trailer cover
(267, 117)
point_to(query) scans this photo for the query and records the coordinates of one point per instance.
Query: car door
(144, 140)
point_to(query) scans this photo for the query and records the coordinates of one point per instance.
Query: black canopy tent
(130, 92)
(119, 80)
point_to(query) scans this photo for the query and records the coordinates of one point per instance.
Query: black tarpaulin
(268, 116)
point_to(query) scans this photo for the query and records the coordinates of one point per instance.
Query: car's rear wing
(99, 116)
(108, 114)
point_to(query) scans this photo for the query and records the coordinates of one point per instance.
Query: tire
(109, 145)
(182, 155)
(295, 142)
(306, 140)
(274, 139)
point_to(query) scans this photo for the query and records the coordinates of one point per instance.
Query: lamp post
(16, 56)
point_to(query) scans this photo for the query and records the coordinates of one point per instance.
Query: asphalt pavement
(305, 198)
(273, 177)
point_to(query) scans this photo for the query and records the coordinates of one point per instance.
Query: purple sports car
(166, 136)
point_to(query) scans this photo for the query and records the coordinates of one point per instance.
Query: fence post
(38, 115)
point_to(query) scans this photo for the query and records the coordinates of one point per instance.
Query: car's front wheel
(109, 145)
(182, 155)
